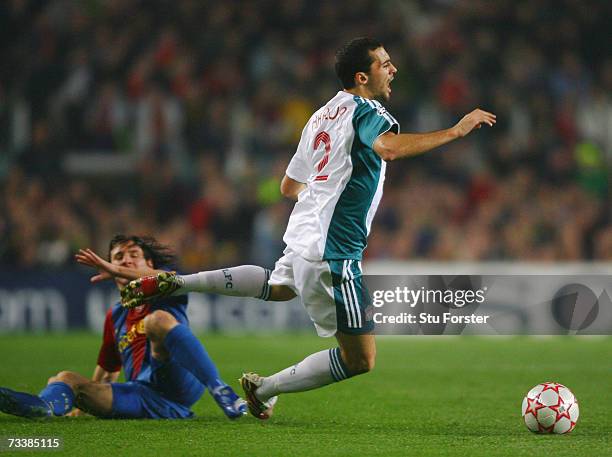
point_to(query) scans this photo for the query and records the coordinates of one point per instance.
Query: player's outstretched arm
(107, 270)
(391, 146)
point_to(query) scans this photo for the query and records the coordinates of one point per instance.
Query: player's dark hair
(162, 256)
(354, 57)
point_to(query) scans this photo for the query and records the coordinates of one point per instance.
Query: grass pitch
(427, 397)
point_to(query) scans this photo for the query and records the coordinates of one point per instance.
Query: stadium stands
(201, 104)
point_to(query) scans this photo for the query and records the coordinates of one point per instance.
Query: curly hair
(161, 255)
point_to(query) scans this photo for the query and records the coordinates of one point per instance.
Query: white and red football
(550, 407)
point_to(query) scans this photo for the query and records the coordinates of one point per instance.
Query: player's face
(382, 72)
(128, 255)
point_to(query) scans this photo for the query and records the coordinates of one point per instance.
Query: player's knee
(361, 364)
(87, 399)
(281, 293)
(85, 392)
(81, 394)
(159, 323)
(67, 377)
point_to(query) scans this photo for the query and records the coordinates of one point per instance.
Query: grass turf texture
(427, 396)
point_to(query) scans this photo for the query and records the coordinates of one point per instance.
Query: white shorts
(331, 291)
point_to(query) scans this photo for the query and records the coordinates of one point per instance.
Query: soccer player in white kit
(336, 176)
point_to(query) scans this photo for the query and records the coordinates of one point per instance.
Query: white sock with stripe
(242, 281)
(316, 370)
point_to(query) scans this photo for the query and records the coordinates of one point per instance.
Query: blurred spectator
(210, 99)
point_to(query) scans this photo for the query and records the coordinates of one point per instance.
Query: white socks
(316, 370)
(242, 281)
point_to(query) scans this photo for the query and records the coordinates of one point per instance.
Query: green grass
(427, 397)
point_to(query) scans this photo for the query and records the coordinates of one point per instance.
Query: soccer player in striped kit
(336, 176)
(165, 366)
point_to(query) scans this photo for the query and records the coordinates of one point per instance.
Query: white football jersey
(344, 177)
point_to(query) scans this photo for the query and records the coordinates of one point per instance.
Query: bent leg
(95, 398)
(358, 352)
(356, 355)
(57, 398)
(170, 339)
(69, 377)
(157, 325)
(61, 391)
(335, 299)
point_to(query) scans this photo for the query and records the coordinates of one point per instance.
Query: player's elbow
(389, 156)
(290, 188)
(385, 152)
(287, 191)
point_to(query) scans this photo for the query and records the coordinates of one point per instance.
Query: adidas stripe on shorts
(332, 291)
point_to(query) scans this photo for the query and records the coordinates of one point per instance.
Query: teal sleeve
(370, 123)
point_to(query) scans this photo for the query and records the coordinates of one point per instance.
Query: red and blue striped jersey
(124, 343)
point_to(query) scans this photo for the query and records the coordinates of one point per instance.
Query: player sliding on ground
(166, 367)
(336, 176)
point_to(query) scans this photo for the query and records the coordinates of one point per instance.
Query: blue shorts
(169, 394)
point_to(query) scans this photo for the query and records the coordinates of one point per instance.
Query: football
(550, 407)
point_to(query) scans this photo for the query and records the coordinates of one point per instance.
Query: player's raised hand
(91, 259)
(473, 120)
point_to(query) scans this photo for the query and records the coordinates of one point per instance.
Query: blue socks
(59, 397)
(189, 353)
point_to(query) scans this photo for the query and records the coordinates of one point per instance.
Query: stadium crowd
(204, 102)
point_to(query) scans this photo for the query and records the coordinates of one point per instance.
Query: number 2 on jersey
(322, 137)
